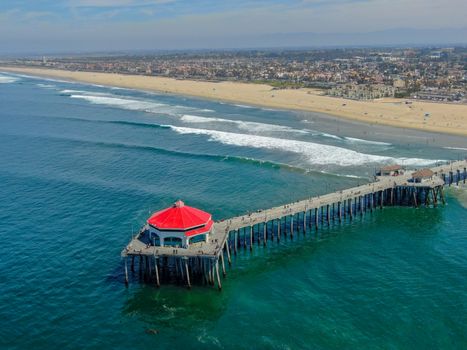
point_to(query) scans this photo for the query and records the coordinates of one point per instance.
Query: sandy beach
(427, 116)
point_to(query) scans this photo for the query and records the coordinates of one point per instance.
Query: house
(391, 170)
(422, 175)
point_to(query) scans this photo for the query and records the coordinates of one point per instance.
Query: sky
(29, 26)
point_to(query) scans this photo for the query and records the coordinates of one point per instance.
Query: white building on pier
(179, 226)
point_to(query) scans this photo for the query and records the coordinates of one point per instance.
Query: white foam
(87, 93)
(67, 91)
(244, 106)
(188, 118)
(322, 134)
(46, 86)
(130, 104)
(43, 78)
(313, 152)
(241, 124)
(354, 176)
(456, 148)
(5, 79)
(117, 101)
(331, 136)
(344, 175)
(355, 140)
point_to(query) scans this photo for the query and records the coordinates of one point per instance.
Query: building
(362, 91)
(178, 226)
(399, 84)
(422, 175)
(391, 170)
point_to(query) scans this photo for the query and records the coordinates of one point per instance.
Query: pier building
(391, 170)
(177, 226)
(422, 175)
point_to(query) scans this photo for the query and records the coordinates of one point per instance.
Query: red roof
(200, 230)
(422, 173)
(181, 217)
(393, 167)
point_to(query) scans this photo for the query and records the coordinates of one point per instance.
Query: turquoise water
(82, 166)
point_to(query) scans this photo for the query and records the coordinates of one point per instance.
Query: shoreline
(443, 118)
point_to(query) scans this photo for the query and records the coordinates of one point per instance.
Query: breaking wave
(6, 79)
(129, 104)
(456, 148)
(37, 77)
(331, 136)
(111, 100)
(355, 140)
(314, 153)
(46, 86)
(160, 150)
(206, 156)
(83, 93)
(115, 122)
(69, 92)
(243, 125)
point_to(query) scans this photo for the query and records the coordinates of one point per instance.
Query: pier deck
(263, 225)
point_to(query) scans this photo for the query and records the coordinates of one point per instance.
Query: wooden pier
(206, 262)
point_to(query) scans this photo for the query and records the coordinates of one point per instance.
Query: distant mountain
(401, 37)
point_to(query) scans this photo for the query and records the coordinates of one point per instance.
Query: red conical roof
(180, 217)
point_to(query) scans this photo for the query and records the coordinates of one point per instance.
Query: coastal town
(432, 74)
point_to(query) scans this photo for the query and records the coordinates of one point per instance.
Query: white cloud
(14, 16)
(116, 3)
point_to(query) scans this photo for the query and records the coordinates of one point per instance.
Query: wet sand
(400, 113)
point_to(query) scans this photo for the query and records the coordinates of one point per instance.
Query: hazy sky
(89, 25)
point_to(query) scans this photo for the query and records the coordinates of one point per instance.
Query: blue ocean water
(82, 167)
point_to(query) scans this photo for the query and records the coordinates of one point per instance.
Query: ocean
(83, 166)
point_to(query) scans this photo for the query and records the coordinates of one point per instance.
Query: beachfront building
(179, 226)
(391, 170)
(362, 91)
(422, 175)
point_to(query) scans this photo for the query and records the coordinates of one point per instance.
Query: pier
(205, 262)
